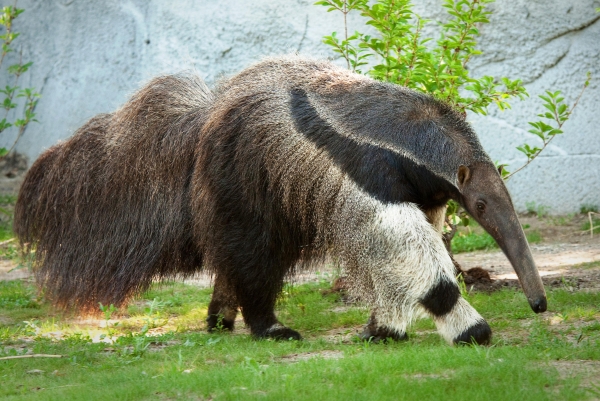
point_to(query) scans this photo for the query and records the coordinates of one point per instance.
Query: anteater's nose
(539, 305)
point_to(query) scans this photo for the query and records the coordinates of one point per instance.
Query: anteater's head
(483, 194)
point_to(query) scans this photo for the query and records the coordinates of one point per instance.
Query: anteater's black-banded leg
(373, 330)
(456, 320)
(403, 259)
(448, 309)
(223, 307)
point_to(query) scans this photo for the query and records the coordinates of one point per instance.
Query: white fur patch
(457, 321)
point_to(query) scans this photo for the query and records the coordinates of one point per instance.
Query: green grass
(8, 247)
(588, 265)
(16, 295)
(537, 209)
(473, 238)
(469, 242)
(586, 208)
(533, 237)
(473, 241)
(161, 351)
(560, 220)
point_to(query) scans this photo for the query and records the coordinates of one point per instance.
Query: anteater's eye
(480, 206)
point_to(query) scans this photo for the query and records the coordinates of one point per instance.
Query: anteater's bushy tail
(106, 212)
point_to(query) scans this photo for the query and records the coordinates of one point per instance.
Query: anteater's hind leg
(253, 268)
(257, 288)
(223, 307)
(402, 259)
(374, 330)
(257, 293)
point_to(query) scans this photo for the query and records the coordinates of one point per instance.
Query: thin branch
(17, 75)
(415, 49)
(8, 241)
(456, 52)
(8, 31)
(387, 44)
(560, 124)
(31, 108)
(346, 29)
(531, 159)
(31, 356)
(591, 223)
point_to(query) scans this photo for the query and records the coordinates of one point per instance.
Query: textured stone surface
(90, 55)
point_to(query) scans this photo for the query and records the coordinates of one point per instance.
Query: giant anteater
(287, 162)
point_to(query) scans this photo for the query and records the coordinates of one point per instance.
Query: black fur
(441, 298)
(480, 333)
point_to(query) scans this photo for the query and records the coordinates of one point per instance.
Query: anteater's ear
(464, 173)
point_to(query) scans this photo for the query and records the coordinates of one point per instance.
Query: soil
(588, 371)
(309, 355)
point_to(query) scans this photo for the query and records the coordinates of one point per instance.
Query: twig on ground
(8, 241)
(591, 223)
(31, 356)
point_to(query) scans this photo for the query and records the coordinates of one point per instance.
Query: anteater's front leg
(401, 260)
(374, 330)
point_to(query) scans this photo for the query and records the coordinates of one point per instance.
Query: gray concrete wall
(90, 55)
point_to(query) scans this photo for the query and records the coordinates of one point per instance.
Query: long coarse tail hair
(107, 211)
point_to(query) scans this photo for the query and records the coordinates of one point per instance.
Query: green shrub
(12, 91)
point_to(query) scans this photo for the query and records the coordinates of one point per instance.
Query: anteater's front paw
(480, 333)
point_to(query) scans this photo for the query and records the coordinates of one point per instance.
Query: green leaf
(4, 124)
(562, 108)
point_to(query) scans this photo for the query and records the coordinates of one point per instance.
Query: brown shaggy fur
(108, 210)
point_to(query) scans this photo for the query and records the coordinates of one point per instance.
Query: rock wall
(90, 55)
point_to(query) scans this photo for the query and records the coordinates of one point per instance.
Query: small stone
(35, 372)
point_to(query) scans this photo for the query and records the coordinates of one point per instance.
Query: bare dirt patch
(587, 371)
(342, 335)
(292, 358)
(9, 271)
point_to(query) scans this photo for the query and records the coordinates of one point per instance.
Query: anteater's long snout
(516, 249)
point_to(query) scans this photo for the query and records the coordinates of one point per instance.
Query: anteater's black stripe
(385, 175)
(441, 298)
